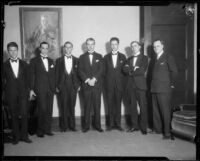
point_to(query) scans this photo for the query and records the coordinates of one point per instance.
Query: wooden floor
(112, 143)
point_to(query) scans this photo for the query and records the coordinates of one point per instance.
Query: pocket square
(162, 63)
(52, 66)
(127, 65)
(97, 60)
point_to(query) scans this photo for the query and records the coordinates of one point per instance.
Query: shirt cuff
(87, 80)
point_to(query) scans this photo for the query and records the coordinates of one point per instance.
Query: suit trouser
(161, 112)
(135, 95)
(114, 107)
(19, 107)
(45, 109)
(68, 102)
(92, 99)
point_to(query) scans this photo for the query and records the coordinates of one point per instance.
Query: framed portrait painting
(38, 25)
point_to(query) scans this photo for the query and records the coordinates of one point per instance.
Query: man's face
(90, 45)
(135, 47)
(114, 45)
(13, 52)
(44, 49)
(158, 47)
(68, 49)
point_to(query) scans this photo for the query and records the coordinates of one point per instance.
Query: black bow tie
(13, 61)
(91, 53)
(44, 57)
(68, 57)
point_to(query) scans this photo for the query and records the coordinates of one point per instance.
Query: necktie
(13, 61)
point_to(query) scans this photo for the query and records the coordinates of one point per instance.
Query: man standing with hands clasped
(135, 67)
(90, 70)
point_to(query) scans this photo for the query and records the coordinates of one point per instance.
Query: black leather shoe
(27, 140)
(144, 132)
(85, 130)
(73, 129)
(166, 137)
(128, 130)
(109, 129)
(133, 129)
(119, 128)
(15, 142)
(100, 130)
(49, 134)
(40, 135)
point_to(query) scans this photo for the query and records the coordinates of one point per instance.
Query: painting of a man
(38, 27)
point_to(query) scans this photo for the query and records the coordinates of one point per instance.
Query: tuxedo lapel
(138, 60)
(118, 60)
(41, 63)
(10, 68)
(19, 69)
(131, 61)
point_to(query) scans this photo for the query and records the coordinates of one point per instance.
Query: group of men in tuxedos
(43, 78)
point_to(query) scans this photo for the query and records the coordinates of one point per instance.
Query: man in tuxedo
(114, 83)
(67, 83)
(90, 70)
(15, 84)
(163, 78)
(42, 85)
(135, 67)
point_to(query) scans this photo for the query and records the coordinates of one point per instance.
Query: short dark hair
(114, 39)
(12, 44)
(137, 43)
(162, 41)
(44, 42)
(89, 39)
(68, 42)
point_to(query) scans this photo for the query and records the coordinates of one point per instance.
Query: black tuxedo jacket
(164, 74)
(61, 72)
(114, 76)
(13, 86)
(136, 78)
(40, 80)
(85, 70)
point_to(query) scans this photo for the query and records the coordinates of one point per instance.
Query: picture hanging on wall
(38, 25)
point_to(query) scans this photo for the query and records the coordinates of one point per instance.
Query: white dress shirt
(15, 67)
(158, 56)
(45, 62)
(114, 58)
(135, 58)
(68, 64)
(90, 56)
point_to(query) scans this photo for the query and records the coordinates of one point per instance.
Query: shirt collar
(90, 52)
(115, 53)
(45, 56)
(138, 53)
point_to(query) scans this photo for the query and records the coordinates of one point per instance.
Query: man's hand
(32, 95)
(91, 82)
